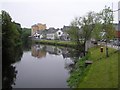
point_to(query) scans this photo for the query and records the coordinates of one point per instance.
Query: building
(41, 26)
(118, 33)
(53, 33)
(36, 28)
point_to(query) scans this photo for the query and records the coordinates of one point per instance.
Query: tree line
(13, 37)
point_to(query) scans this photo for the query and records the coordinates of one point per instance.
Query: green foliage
(11, 37)
(26, 32)
(74, 34)
(56, 42)
(107, 17)
(78, 73)
(81, 29)
(97, 27)
(26, 40)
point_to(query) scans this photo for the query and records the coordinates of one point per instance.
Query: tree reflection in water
(9, 71)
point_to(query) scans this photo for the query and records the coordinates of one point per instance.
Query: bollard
(101, 49)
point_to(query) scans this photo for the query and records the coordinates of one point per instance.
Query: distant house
(65, 35)
(38, 34)
(50, 34)
(53, 33)
(59, 33)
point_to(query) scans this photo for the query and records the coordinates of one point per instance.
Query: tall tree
(10, 37)
(82, 34)
(107, 19)
(11, 50)
(74, 31)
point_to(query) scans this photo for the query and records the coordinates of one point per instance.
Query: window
(59, 33)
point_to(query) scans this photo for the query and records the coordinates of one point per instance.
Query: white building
(54, 34)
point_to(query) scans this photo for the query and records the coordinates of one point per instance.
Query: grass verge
(103, 73)
(56, 42)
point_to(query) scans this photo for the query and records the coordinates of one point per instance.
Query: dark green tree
(11, 49)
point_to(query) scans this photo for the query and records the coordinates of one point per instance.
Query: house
(50, 34)
(38, 34)
(53, 33)
(65, 35)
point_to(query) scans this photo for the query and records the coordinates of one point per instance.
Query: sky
(53, 13)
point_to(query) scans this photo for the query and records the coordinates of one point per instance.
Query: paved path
(110, 45)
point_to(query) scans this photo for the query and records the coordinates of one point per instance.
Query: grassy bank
(56, 42)
(103, 73)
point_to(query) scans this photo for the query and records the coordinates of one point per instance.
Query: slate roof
(51, 30)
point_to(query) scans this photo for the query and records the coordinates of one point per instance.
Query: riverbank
(56, 42)
(103, 73)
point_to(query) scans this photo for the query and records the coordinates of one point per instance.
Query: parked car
(103, 40)
(116, 42)
(94, 42)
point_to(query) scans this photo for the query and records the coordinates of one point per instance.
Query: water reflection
(40, 51)
(9, 71)
(70, 55)
(51, 71)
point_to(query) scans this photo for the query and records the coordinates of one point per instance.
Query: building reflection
(70, 55)
(38, 51)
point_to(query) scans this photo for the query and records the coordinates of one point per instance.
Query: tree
(107, 19)
(11, 38)
(98, 27)
(11, 49)
(81, 29)
(26, 32)
(74, 32)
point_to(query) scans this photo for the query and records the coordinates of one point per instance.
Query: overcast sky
(53, 13)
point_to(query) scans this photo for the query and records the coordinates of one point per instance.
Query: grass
(56, 42)
(103, 73)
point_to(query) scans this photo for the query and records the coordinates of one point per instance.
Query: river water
(44, 67)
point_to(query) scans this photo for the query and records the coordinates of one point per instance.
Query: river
(44, 66)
